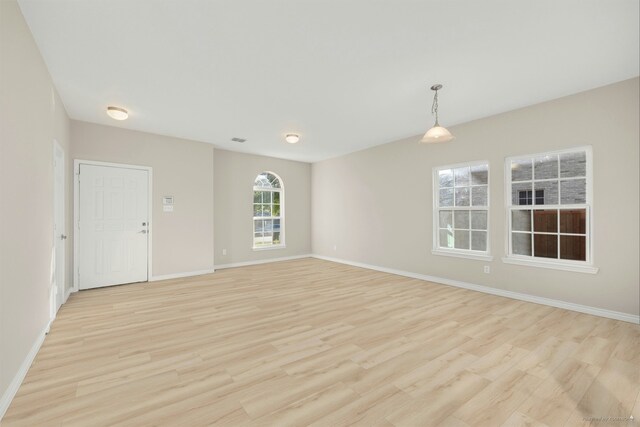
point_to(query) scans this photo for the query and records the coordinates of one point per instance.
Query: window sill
(477, 257)
(268, 248)
(552, 265)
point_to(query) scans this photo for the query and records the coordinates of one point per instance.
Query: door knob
(63, 237)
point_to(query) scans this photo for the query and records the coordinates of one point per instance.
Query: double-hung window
(268, 211)
(461, 210)
(549, 209)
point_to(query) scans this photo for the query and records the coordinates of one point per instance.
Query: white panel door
(113, 226)
(59, 233)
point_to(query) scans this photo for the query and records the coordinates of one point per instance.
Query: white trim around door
(58, 263)
(76, 211)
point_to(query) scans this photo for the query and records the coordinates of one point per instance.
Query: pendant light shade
(437, 133)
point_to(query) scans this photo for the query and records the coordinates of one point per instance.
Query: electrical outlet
(487, 269)
(224, 252)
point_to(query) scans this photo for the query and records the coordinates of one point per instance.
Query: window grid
(558, 207)
(268, 211)
(462, 201)
(558, 233)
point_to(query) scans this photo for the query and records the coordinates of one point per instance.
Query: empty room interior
(328, 213)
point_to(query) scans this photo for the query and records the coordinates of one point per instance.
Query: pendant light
(437, 133)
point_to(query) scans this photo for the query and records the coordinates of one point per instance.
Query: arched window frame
(268, 211)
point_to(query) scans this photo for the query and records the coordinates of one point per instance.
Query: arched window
(268, 211)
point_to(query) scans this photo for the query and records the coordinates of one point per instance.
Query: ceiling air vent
(238, 139)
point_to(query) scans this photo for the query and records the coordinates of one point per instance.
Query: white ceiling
(346, 75)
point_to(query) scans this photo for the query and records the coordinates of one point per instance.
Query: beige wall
(182, 240)
(234, 177)
(31, 117)
(376, 205)
(195, 173)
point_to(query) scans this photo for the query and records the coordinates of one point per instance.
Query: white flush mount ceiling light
(117, 113)
(437, 133)
(292, 138)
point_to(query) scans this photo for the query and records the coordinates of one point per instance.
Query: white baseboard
(181, 275)
(11, 391)
(67, 292)
(262, 261)
(617, 315)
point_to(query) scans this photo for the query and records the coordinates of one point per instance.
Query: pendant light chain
(434, 107)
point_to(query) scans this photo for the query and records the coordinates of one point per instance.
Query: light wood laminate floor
(310, 342)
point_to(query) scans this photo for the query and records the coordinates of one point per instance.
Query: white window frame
(586, 266)
(453, 252)
(280, 190)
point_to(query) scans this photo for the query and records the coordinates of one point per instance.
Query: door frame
(60, 286)
(76, 212)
